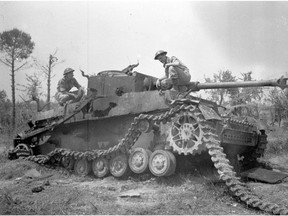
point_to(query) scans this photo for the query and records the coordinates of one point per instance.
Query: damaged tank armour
(126, 124)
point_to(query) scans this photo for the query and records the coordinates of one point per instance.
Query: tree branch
(58, 63)
(7, 60)
(45, 70)
(5, 63)
(7, 50)
(26, 101)
(20, 67)
(55, 52)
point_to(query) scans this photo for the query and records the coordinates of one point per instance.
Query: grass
(58, 201)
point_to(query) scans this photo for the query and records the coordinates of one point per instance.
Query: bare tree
(16, 46)
(48, 71)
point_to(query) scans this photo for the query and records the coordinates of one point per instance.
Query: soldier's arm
(174, 62)
(76, 84)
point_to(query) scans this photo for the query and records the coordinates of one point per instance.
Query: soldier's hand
(73, 95)
(158, 83)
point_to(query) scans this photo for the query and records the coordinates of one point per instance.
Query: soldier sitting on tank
(63, 94)
(177, 75)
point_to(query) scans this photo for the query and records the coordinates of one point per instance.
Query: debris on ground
(37, 189)
(130, 193)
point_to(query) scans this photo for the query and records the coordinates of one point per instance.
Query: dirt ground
(27, 188)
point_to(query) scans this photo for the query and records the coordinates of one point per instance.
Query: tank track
(211, 139)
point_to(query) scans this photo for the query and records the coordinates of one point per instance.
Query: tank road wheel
(162, 163)
(82, 167)
(68, 162)
(186, 133)
(119, 165)
(173, 162)
(139, 160)
(100, 167)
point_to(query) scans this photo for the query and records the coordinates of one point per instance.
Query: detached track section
(226, 173)
(211, 140)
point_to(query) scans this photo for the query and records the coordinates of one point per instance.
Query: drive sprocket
(186, 133)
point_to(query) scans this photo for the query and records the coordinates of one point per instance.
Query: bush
(278, 141)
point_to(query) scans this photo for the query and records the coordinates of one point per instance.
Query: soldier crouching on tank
(65, 85)
(177, 75)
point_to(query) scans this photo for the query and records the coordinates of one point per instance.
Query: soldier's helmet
(68, 70)
(158, 53)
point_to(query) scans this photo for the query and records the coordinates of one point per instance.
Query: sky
(207, 36)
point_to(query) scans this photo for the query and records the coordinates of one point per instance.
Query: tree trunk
(48, 86)
(13, 96)
(49, 82)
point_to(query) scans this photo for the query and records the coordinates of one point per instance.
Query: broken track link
(212, 142)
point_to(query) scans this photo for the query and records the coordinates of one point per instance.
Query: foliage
(245, 99)
(5, 106)
(277, 141)
(241, 101)
(24, 112)
(15, 45)
(32, 89)
(279, 101)
(218, 95)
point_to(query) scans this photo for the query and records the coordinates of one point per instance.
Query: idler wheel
(23, 150)
(100, 167)
(68, 162)
(82, 167)
(139, 160)
(119, 165)
(162, 163)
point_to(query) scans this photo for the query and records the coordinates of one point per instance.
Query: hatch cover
(264, 175)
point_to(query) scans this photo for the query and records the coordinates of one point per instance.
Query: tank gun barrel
(282, 83)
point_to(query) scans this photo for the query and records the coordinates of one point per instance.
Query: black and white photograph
(143, 107)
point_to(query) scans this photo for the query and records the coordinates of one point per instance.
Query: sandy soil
(27, 188)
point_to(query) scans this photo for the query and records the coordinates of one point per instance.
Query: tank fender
(209, 113)
(259, 123)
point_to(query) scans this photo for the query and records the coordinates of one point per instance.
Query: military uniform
(177, 74)
(65, 85)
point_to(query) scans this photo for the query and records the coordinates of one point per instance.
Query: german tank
(125, 124)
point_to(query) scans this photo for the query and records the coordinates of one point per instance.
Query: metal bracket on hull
(209, 113)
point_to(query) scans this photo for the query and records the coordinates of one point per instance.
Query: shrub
(278, 141)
